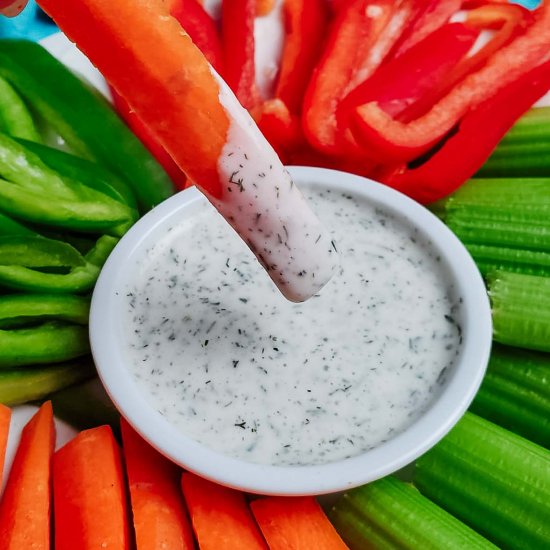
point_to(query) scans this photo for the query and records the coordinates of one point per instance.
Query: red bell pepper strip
(429, 16)
(305, 28)
(392, 140)
(509, 20)
(281, 128)
(359, 39)
(238, 46)
(144, 134)
(478, 134)
(403, 80)
(201, 28)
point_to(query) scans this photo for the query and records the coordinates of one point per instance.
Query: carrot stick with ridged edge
(89, 493)
(295, 523)
(151, 61)
(5, 418)
(220, 516)
(158, 509)
(25, 506)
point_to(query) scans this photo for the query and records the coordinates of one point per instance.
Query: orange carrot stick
(89, 493)
(151, 61)
(264, 7)
(158, 509)
(25, 506)
(220, 516)
(295, 523)
(5, 417)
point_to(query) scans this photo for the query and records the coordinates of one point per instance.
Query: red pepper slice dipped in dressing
(201, 28)
(239, 70)
(391, 140)
(306, 23)
(402, 81)
(360, 36)
(478, 134)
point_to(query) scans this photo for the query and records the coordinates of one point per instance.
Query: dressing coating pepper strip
(392, 140)
(360, 36)
(239, 69)
(402, 81)
(478, 134)
(305, 28)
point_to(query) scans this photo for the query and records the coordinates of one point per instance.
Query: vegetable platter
(486, 484)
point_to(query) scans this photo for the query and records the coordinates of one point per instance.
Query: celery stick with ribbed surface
(493, 480)
(521, 309)
(476, 227)
(517, 160)
(515, 393)
(390, 514)
(491, 258)
(502, 194)
(508, 213)
(533, 126)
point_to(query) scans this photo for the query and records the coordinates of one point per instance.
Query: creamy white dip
(224, 357)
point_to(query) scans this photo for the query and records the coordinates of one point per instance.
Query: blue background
(32, 23)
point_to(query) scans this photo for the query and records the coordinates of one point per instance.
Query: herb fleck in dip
(222, 355)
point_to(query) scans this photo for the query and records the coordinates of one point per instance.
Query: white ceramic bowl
(444, 412)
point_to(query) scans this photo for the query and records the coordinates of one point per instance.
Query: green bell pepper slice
(84, 119)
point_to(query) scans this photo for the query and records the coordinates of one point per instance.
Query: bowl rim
(386, 458)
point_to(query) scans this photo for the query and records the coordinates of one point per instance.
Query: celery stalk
(495, 481)
(508, 213)
(524, 150)
(521, 309)
(504, 193)
(516, 393)
(389, 514)
(473, 227)
(491, 258)
(532, 127)
(518, 160)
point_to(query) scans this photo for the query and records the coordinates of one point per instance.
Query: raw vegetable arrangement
(412, 108)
